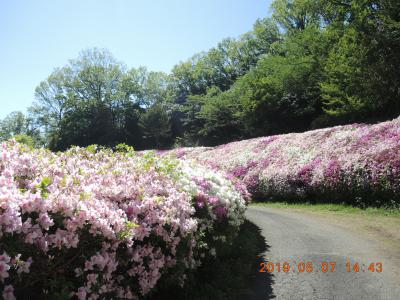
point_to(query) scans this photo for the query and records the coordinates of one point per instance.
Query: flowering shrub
(92, 223)
(358, 164)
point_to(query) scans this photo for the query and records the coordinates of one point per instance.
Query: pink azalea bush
(358, 164)
(91, 223)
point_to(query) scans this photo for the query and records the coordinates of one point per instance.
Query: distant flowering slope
(93, 223)
(359, 164)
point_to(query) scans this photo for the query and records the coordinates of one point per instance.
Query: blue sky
(37, 36)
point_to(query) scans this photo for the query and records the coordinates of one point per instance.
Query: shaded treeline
(312, 64)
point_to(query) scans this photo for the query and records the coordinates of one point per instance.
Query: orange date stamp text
(323, 267)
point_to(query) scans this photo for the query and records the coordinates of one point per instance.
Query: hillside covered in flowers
(356, 164)
(100, 223)
(95, 223)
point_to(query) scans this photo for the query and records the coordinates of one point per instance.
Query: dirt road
(297, 238)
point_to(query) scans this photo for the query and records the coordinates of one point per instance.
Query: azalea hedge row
(93, 223)
(357, 164)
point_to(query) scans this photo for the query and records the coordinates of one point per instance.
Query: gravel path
(297, 238)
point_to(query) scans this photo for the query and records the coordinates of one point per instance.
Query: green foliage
(361, 78)
(21, 128)
(296, 15)
(124, 148)
(156, 126)
(237, 263)
(128, 230)
(314, 63)
(95, 100)
(92, 148)
(43, 186)
(214, 117)
(25, 139)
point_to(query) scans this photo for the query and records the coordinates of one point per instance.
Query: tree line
(312, 64)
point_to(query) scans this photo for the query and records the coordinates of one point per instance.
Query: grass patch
(229, 276)
(335, 208)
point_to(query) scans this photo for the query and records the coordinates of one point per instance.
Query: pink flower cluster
(110, 224)
(356, 163)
